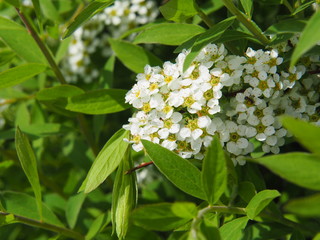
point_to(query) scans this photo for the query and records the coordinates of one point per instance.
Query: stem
(142, 165)
(246, 21)
(43, 48)
(61, 230)
(287, 4)
(205, 18)
(87, 134)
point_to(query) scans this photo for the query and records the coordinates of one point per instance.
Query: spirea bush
(145, 119)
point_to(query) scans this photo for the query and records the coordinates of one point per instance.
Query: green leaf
(20, 41)
(179, 171)
(16, 75)
(6, 55)
(124, 196)
(50, 11)
(178, 10)
(29, 165)
(286, 26)
(132, 56)
(61, 91)
(233, 229)
(73, 208)
(309, 37)
(98, 224)
(305, 207)
(14, 3)
(246, 190)
(306, 133)
(164, 216)
(107, 161)
(44, 129)
(26, 206)
(92, 9)
(214, 172)
(260, 201)
(7, 219)
(168, 33)
(303, 7)
(299, 168)
(265, 230)
(247, 6)
(101, 101)
(205, 38)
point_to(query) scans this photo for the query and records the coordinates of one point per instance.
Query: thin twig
(142, 165)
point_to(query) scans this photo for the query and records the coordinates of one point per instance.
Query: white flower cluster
(237, 98)
(90, 42)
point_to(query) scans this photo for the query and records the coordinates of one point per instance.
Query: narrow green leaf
(179, 171)
(16, 75)
(168, 33)
(179, 10)
(6, 55)
(205, 38)
(20, 41)
(61, 91)
(305, 207)
(97, 102)
(73, 208)
(234, 229)
(309, 37)
(15, 3)
(26, 206)
(306, 133)
(87, 13)
(124, 196)
(163, 216)
(107, 161)
(286, 26)
(44, 129)
(214, 172)
(247, 6)
(303, 7)
(98, 224)
(29, 165)
(299, 168)
(260, 201)
(132, 56)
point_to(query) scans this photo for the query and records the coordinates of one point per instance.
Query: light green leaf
(309, 37)
(179, 10)
(124, 196)
(7, 219)
(168, 33)
(6, 55)
(73, 208)
(29, 165)
(44, 129)
(14, 3)
(299, 168)
(98, 224)
(16, 75)
(305, 207)
(92, 9)
(26, 206)
(107, 161)
(179, 171)
(205, 38)
(306, 133)
(302, 7)
(233, 229)
(164, 216)
(20, 41)
(286, 26)
(260, 201)
(247, 6)
(214, 172)
(50, 11)
(132, 56)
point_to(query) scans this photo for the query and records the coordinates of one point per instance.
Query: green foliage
(179, 10)
(305, 207)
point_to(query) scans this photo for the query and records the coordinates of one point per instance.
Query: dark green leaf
(20, 41)
(107, 161)
(302, 7)
(26, 206)
(29, 165)
(246, 190)
(6, 56)
(168, 33)
(179, 171)
(73, 208)
(247, 6)
(163, 216)
(286, 26)
(98, 224)
(97, 102)
(87, 13)
(233, 229)
(15, 3)
(16, 75)
(306, 133)
(132, 56)
(299, 168)
(260, 201)
(263, 231)
(179, 10)
(305, 207)
(205, 38)
(124, 196)
(44, 129)
(214, 172)
(309, 37)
